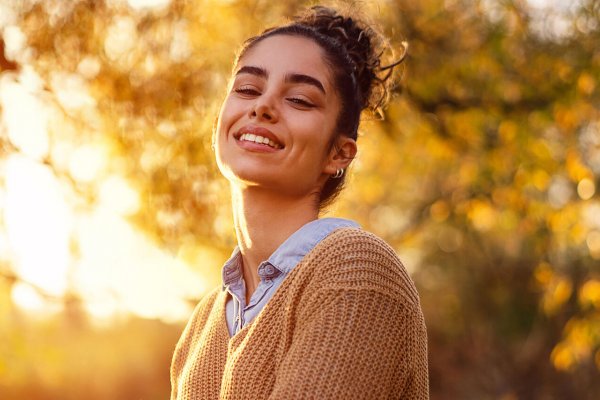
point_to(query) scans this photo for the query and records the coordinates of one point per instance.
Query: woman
(309, 308)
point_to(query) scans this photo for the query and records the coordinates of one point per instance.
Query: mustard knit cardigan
(345, 324)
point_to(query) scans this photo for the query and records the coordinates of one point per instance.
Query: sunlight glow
(86, 162)
(28, 299)
(144, 4)
(117, 195)
(115, 270)
(181, 48)
(14, 40)
(121, 270)
(550, 18)
(4, 244)
(89, 67)
(586, 189)
(121, 38)
(71, 91)
(37, 224)
(4, 247)
(25, 118)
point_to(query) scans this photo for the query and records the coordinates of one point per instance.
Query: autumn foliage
(483, 175)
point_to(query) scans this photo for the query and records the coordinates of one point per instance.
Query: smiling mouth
(250, 137)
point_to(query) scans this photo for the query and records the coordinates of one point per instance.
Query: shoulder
(208, 300)
(199, 316)
(351, 244)
(353, 258)
(203, 309)
(356, 240)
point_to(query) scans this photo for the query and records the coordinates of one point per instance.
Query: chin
(258, 180)
(247, 176)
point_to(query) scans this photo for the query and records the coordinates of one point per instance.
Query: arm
(188, 338)
(355, 343)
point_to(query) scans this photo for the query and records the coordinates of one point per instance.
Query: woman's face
(279, 117)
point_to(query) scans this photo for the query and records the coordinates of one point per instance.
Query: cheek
(316, 133)
(230, 111)
(222, 126)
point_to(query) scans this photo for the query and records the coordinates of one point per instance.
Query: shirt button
(269, 270)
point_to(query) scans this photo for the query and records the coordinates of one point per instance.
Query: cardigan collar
(289, 253)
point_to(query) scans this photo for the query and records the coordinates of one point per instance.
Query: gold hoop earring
(338, 174)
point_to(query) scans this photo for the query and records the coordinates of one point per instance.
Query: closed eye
(301, 102)
(247, 90)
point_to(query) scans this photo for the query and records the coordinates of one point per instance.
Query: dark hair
(353, 50)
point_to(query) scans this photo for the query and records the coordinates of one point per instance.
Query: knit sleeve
(186, 340)
(355, 344)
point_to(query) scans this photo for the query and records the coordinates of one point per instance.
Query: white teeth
(259, 139)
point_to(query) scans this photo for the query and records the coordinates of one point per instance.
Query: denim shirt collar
(289, 253)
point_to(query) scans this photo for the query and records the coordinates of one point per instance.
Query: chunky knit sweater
(345, 324)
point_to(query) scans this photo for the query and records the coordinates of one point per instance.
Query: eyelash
(300, 101)
(246, 90)
(253, 92)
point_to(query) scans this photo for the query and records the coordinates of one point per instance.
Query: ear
(341, 155)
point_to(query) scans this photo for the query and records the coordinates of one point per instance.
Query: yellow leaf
(557, 293)
(589, 294)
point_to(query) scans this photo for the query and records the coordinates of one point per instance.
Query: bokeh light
(482, 176)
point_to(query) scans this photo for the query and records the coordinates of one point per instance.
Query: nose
(264, 109)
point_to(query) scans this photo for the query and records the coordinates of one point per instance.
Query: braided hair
(353, 50)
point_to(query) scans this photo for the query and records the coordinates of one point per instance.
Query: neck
(263, 221)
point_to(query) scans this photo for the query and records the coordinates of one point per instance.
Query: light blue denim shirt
(272, 272)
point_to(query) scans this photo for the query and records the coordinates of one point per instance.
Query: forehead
(285, 53)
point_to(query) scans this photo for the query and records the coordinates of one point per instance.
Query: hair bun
(365, 48)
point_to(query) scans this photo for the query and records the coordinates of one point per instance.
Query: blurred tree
(483, 174)
(5, 65)
(496, 136)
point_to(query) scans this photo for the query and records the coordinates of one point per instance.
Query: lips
(258, 131)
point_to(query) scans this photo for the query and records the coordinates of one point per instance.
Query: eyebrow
(291, 78)
(307, 79)
(248, 69)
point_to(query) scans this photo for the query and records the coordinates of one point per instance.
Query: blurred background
(483, 176)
